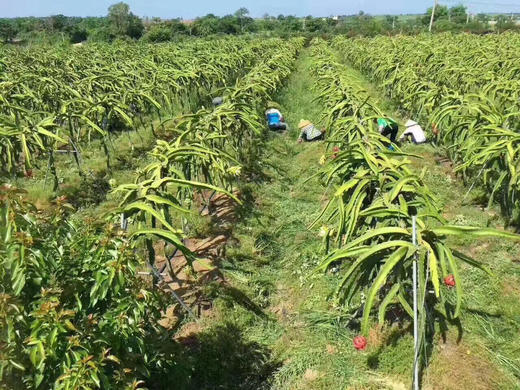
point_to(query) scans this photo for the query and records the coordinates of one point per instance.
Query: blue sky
(192, 8)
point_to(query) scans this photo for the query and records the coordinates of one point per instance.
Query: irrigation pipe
(156, 273)
(144, 273)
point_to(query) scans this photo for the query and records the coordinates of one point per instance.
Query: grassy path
(286, 333)
(274, 324)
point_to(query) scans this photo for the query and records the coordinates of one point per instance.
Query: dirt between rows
(188, 278)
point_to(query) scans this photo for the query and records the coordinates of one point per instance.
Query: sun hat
(304, 123)
(217, 101)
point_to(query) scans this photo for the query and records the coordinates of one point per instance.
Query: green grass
(285, 313)
(278, 304)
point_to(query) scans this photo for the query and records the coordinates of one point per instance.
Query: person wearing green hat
(274, 117)
(309, 132)
(388, 127)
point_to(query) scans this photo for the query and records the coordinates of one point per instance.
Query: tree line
(121, 23)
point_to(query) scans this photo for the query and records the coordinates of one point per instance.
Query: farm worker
(217, 101)
(414, 132)
(274, 117)
(388, 126)
(309, 133)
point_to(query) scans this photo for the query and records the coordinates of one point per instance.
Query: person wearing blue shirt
(274, 118)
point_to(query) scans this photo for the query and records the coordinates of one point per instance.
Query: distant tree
(101, 34)
(30, 24)
(458, 14)
(412, 25)
(135, 27)
(291, 24)
(93, 23)
(446, 25)
(242, 12)
(391, 21)
(58, 22)
(484, 18)
(476, 27)
(119, 17)
(315, 24)
(177, 27)
(8, 30)
(206, 25)
(505, 23)
(267, 23)
(229, 24)
(441, 12)
(242, 15)
(78, 35)
(123, 22)
(361, 24)
(158, 33)
(362, 16)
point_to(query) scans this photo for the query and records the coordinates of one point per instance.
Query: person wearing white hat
(217, 101)
(309, 132)
(414, 132)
